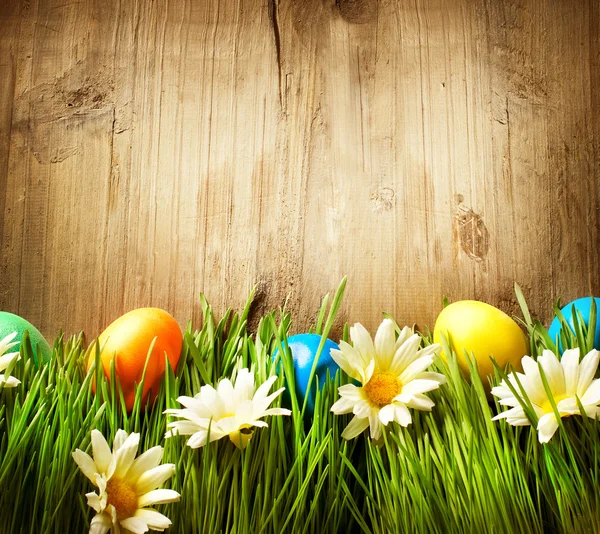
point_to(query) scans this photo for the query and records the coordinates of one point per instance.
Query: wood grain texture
(151, 150)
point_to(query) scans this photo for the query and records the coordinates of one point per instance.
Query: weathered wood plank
(153, 150)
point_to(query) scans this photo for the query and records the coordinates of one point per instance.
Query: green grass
(452, 471)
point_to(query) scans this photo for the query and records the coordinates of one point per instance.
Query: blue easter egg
(584, 307)
(304, 349)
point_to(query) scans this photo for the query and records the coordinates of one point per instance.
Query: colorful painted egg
(128, 341)
(583, 306)
(9, 323)
(304, 350)
(483, 330)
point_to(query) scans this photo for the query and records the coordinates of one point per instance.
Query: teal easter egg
(582, 306)
(304, 351)
(9, 323)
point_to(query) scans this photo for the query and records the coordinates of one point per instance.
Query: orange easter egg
(127, 340)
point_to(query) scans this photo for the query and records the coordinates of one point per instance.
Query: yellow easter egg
(484, 331)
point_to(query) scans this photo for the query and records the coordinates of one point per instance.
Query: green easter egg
(9, 323)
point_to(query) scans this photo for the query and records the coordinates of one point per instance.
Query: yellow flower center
(241, 437)
(547, 406)
(122, 496)
(382, 388)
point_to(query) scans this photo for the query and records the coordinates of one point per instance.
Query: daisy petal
(190, 415)
(94, 501)
(262, 391)
(568, 406)
(592, 394)
(86, 464)
(123, 459)
(257, 423)
(244, 386)
(349, 360)
(591, 411)
(261, 403)
(402, 415)
(158, 496)
(513, 413)
(355, 427)
(199, 439)
(420, 386)
(350, 391)
(195, 405)
(135, 524)
(570, 363)
(362, 409)
(502, 391)
(154, 478)
(5, 342)
(414, 368)
(520, 421)
(7, 359)
(531, 381)
(375, 424)
(120, 438)
(343, 405)
(226, 394)
(183, 428)
(385, 340)
(276, 411)
(154, 519)
(100, 524)
(421, 402)
(210, 397)
(145, 462)
(368, 372)
(587, 371)
(405, 355)
(10, 382)
(362, 341)
(386, 414)
(244, 412)
(547, 427)
(405, 333)
(101, 451)
(430, 375)
(554, 372)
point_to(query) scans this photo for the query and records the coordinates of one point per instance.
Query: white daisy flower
(392, 377)
(6, 361)
(226, 411)
(126, 485)
(567, 379)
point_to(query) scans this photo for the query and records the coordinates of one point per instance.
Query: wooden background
(150, 150)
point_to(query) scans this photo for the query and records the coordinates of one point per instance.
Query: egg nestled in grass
(9, 323)
(582, 308)
(128, 339)
(481, 329)
(304, 349)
